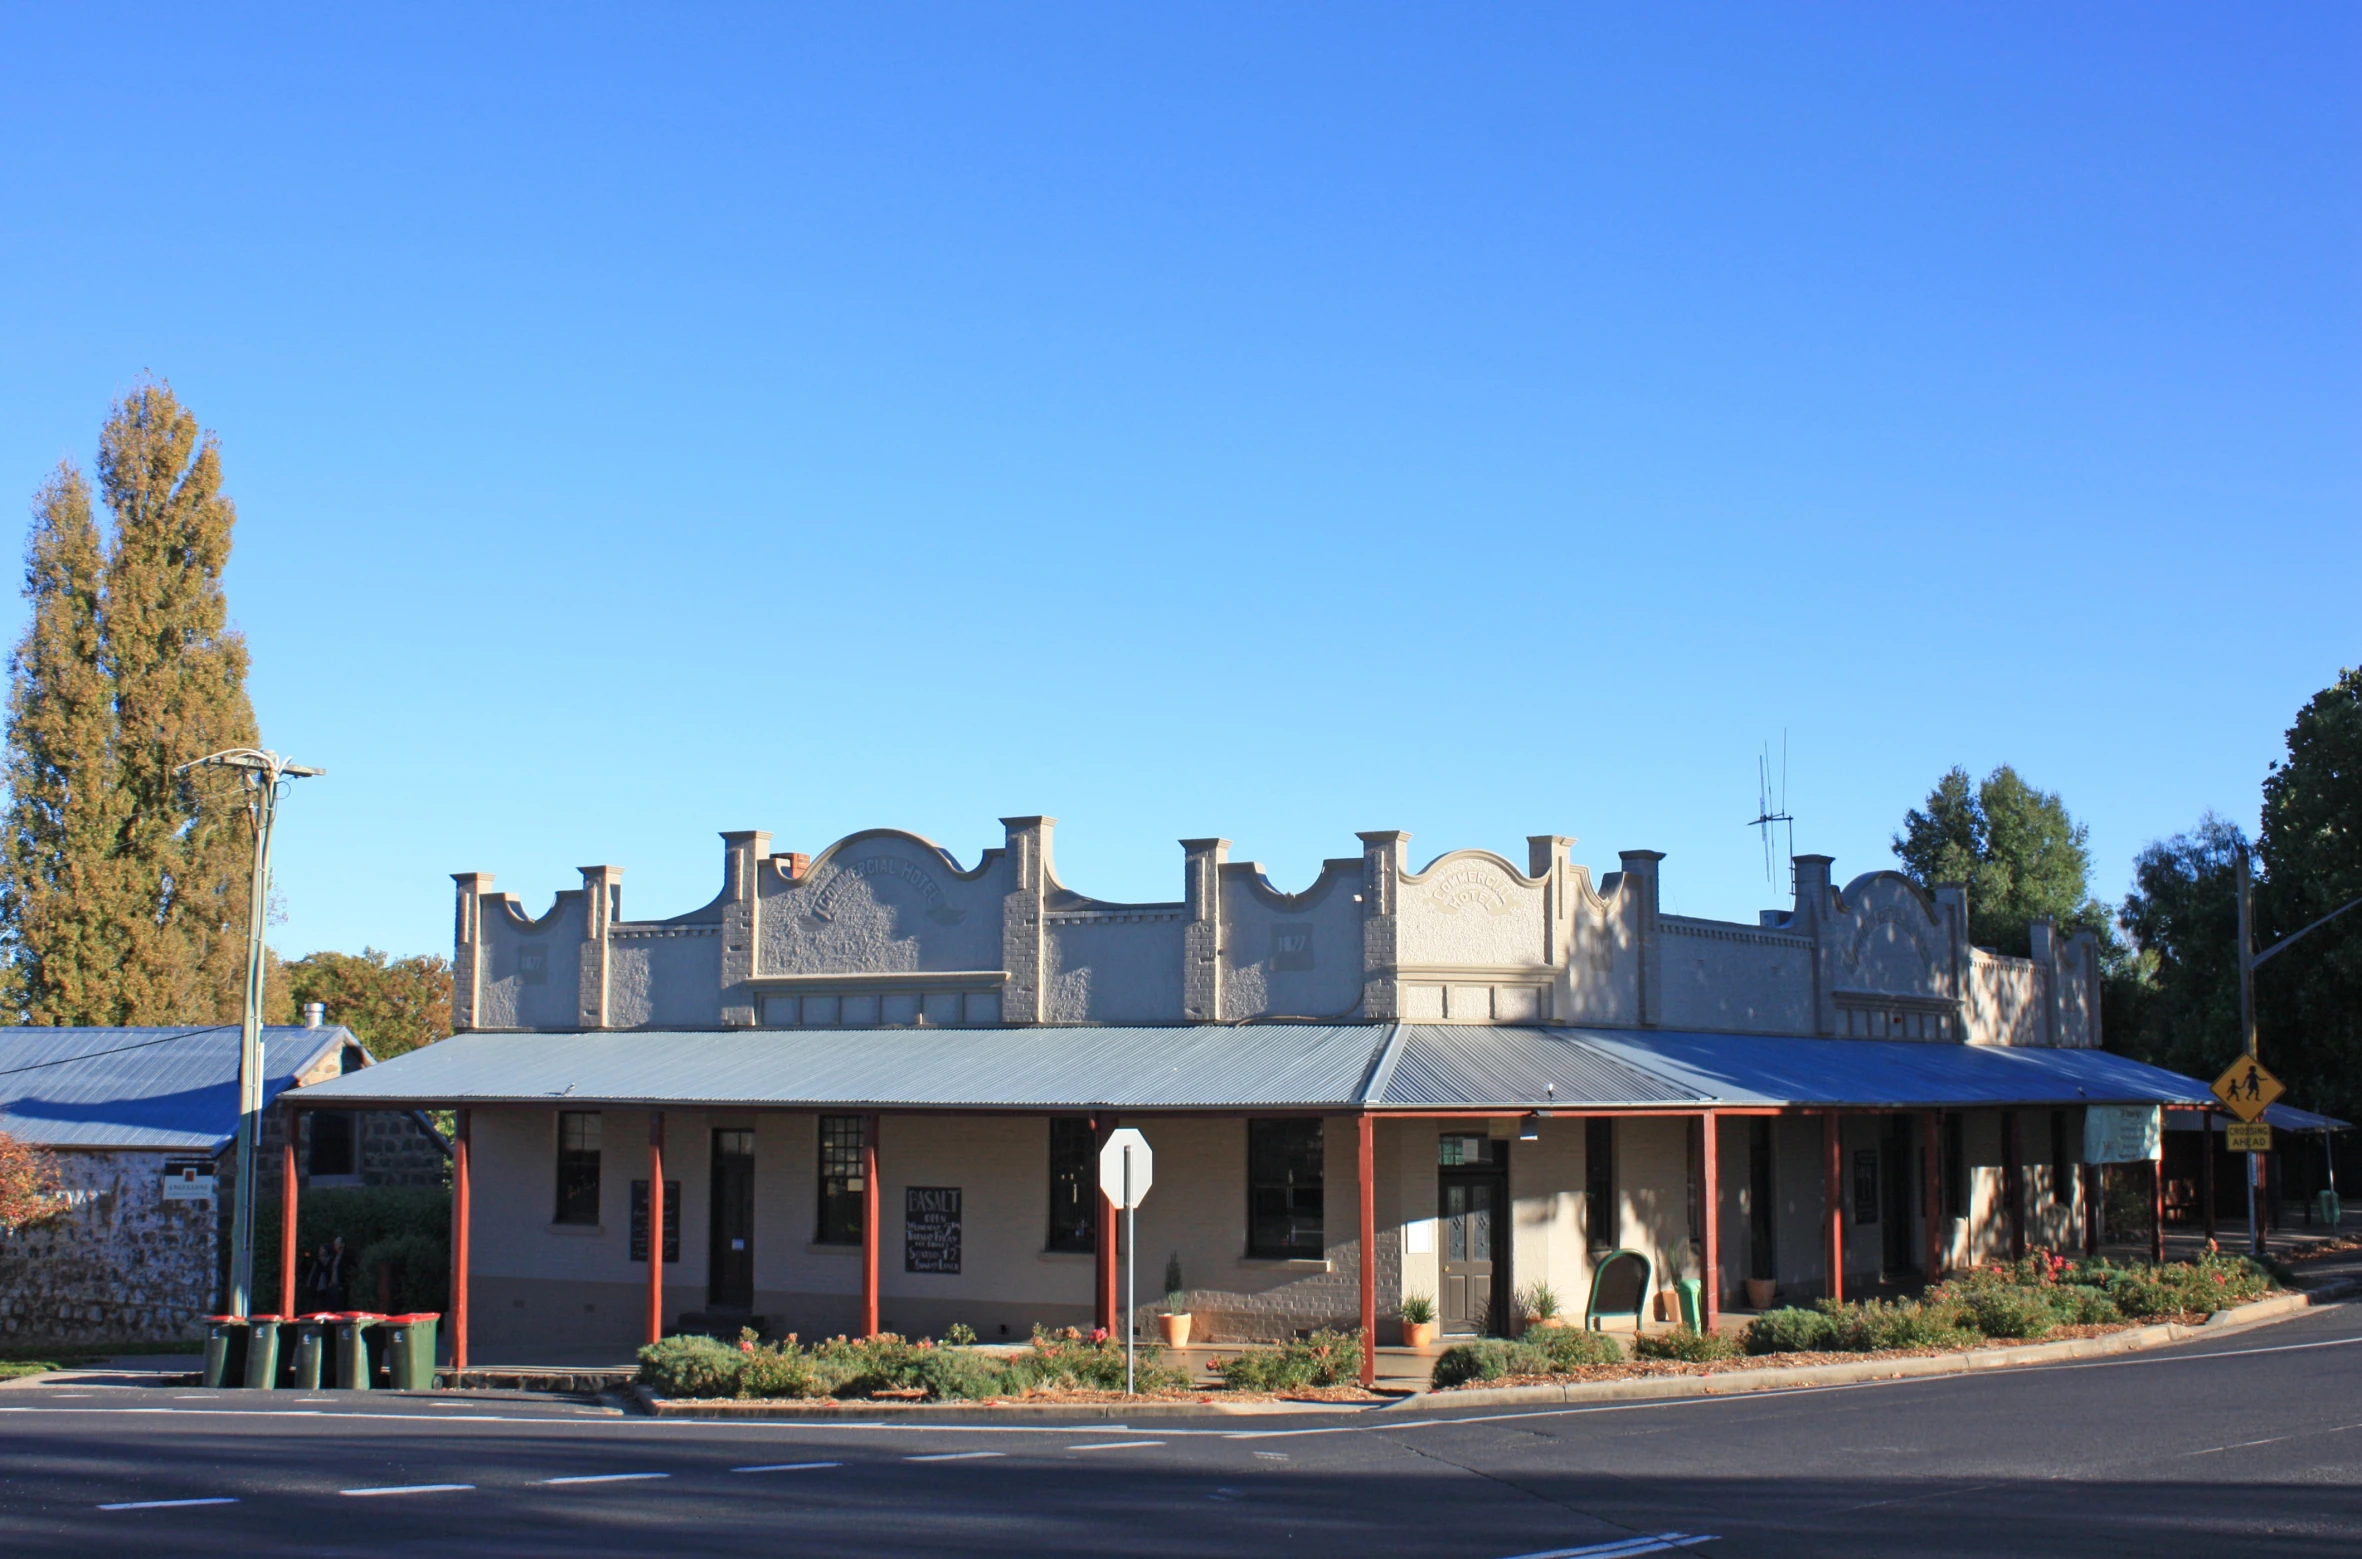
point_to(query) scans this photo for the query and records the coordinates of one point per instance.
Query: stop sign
(1125, 1143)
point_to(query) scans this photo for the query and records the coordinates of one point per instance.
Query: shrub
(1571, 1348)
(1463, 1363)
(779, 1372)
(1418, 1310)
(1791, 1330)
(419, 1266)
(1069, 1359)
(960, 1335)
(1326, 1358)
(364, 1216)
(2001, 1310)
(1878, 1324)
(1683, 1344)
(691, 1367)
(959, 1375)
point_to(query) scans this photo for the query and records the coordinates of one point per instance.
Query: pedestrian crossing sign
(2246, 1089)
(2248, 1139)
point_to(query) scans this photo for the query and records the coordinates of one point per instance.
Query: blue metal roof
(1274, 1066)
(169, 1088)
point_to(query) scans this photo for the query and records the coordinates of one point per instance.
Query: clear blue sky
(1264, 421)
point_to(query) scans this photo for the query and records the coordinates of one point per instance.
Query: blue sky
(1271, 422)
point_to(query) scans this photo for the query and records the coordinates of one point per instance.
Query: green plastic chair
(1619, 1286)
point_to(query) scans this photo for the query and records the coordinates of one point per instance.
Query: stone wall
(120, 1265)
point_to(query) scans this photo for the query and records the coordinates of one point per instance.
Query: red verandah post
(291, 1122)
(869, 1227)
(1103, 1243)
(459, 1239)
(1711, 1220)
(1367, 1197)
(655, 1225)
(2157, 1202)
(1833, 1200)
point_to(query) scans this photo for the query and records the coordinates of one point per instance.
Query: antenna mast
(1768, 816)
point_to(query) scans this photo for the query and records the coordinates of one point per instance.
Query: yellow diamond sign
(2247, 1089)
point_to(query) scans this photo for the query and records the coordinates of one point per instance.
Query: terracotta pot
(1176, 1329)
(1539, 1322)
(1418, 1334)
(1760, 1292)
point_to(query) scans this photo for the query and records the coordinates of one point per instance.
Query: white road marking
(168, 1504)
(788, 1467)
(1660, 1543)
(1272, 1456)
(410, 1488)
(1115, 1445)
(609, 1477)
(954, 1456)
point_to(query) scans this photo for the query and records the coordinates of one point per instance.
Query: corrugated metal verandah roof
(1383, 1067)
(170, 1088)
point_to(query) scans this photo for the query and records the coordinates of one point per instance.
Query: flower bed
(2041, 1298)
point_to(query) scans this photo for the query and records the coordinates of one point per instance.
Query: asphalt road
(2247, 1445)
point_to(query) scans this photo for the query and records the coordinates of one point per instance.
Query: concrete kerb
(2262, 1312)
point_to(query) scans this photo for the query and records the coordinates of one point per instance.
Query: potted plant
(1760, 1292)
(1540, 1304)
(1418, 1321)
(1175, 1320)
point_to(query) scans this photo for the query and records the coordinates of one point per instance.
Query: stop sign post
(1126, 1170)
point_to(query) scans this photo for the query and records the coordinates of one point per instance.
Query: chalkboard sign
(672, 1220)
(931, 1229)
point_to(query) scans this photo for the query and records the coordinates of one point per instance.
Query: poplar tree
(139, 872)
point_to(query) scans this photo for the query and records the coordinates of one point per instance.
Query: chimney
(314, 1014)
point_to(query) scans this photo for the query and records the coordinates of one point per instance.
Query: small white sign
(186, 1185)
(1122, 1144)
(1419, 1237)
(2122, 1133)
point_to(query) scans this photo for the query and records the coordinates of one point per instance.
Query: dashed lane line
(788, 1467)
(1662, 1542)
(1115, 1445)
(955, 1456)
(607, 1477)
(409, 1488)
(169, 1504)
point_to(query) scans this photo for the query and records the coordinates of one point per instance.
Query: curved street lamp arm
(2257, 960)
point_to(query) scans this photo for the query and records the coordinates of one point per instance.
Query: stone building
(869, 1085)
(142, 1124)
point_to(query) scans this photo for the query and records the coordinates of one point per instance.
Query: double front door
(1472, 1218)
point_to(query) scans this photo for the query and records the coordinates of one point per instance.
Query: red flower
(1098, 1334)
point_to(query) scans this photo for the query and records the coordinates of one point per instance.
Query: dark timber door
(1901, 1254)
(730, 1284)
(1472, 1178)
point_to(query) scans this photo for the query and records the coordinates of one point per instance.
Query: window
(578, 1167)
(841, 1184)
(1955, 1167)
(332, 1143)
(1074, 1184)
(1284, 1188)
(1865, 1185)
(2062, 1165)
(1599, 1183)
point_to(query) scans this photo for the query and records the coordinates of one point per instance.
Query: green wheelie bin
(262, 1352)
(354, 1362)
(225, 1351)
(307, 1353)
(1692, 1295)
(410, 1351)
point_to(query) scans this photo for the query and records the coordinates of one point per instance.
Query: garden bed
(2041, 1299)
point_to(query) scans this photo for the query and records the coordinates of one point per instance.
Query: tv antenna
(1768, 816)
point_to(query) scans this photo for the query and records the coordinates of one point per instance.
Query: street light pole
(263, 774)
(2249, 962)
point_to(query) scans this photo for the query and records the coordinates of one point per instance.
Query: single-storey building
(867, 1089)
(142, 1125)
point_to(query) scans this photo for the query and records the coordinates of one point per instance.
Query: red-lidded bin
(225, 1351)
(410, 1350)
(356, 1364)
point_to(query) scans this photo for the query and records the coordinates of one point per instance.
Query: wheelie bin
(262, 1352)
(309, 1352)
(410, 1351)
(354, 1364)
(1692, 1293)
(225, 1351)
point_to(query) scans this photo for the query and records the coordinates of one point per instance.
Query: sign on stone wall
(931, 1229)
(188, 1181)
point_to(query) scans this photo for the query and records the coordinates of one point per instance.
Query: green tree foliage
(2309, 998)
(2018, 851)
(126, 883)
(2183, 918)
(391, 1004)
